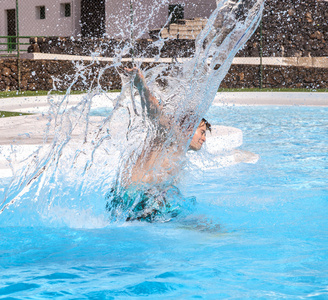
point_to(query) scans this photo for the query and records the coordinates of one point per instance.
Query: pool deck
(39, 104)
(28, 131)
(272, 98)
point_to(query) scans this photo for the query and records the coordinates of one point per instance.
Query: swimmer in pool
(147, 184)
(144, 188)
(160, 161)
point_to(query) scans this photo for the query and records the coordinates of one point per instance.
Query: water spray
(132, 42)
(130, 157)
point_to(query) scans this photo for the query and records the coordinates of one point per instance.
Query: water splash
(126, 166)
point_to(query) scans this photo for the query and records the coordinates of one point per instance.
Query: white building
(95, 18)
(40, 17)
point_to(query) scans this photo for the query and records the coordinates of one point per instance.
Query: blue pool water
(257, 231)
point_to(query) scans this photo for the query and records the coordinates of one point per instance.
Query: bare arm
(147, 98)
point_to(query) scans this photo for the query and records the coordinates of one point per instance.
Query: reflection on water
(130, 162)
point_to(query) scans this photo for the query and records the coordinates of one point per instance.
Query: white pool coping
(314, 62)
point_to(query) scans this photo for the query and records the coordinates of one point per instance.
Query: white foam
(223, 138)
(221, 150)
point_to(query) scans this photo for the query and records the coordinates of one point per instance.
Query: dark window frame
(65, 10)
(41, 12)
(11, 29)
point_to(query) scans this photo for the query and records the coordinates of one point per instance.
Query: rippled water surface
(257, 231)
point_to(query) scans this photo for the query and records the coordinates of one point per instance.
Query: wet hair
(207, 124)
(187, 119)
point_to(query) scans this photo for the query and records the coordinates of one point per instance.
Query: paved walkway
(29, 129)
(39, 104)
(25, 133)
(272, 98)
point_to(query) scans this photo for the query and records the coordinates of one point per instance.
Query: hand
(133, 71)
(139, 78)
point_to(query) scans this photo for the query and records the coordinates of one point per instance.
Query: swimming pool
(257, 231)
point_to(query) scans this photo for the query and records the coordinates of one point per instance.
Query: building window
(41, 12)
(176, 11)
(65, 10)
(11, 29)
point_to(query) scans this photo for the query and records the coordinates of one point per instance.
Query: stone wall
(276, 77)
(109, 47)
(46, 74)
(49, 74)
(290, 28)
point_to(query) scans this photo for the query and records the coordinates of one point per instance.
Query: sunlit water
(256, 231)
(244, 231)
